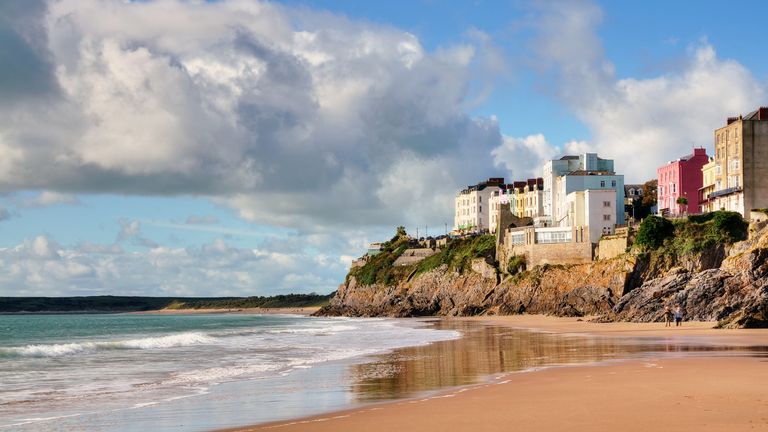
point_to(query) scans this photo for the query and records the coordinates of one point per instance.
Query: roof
(758, 114)
(590, 173)
(569, 157)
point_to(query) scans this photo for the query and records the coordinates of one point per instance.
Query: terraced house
(737, 177)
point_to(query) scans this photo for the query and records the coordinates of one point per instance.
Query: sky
(238, 147)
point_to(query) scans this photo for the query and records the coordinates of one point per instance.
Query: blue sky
(254, 148)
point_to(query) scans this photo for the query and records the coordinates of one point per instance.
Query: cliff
(711, 277)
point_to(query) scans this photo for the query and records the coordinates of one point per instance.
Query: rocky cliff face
(574, 290)
(727, 284)
(734, 293)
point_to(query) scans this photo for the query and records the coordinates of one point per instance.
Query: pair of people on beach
(668, 315)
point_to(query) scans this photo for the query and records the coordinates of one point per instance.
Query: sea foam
(69, 349)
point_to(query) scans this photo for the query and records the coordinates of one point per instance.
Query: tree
(642, 207)
(683, 203)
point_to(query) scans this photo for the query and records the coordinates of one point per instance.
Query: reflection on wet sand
(485, 350)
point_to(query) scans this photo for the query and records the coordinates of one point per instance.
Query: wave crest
(68, 349)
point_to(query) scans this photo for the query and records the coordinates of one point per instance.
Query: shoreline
(720, 390)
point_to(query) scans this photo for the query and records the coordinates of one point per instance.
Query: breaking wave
(69, 349)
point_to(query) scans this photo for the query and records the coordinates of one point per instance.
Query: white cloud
(639, 122)
(40, 266)
(291, 116)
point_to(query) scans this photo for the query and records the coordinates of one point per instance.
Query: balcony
(724, 192)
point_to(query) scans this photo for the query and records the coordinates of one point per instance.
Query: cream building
(741, 164)
(593, 209)
(708, 183)
(472, 206)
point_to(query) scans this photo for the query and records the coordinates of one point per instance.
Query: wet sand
(688, 378)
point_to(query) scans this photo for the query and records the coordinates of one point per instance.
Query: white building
(504, 196)
(473, 206)
(594, 209)
(579, 173)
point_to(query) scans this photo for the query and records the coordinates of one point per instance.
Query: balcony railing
(724, 192)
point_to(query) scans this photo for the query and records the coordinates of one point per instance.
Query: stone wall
(412, 256)
(614, 245)
(556, 253)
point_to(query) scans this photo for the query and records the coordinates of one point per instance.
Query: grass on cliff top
(690, 235)
(459, 253)
(380, 268)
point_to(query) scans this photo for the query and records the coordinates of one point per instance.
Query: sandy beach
(710, 391)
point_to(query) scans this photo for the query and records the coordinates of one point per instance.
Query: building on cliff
(738, 179)
(633, 196)
(681, 178)
(525, 198)
(472, 206)
(578, 173)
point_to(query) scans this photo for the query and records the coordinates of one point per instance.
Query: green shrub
(730, 225)
(459, 253)
(653, 231)
(516, 264)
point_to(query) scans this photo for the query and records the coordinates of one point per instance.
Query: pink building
(681, 178)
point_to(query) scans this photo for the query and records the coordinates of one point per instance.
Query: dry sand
(714, 393)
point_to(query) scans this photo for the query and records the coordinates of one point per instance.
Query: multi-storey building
(472, 206)
(566, 164)
(578, 173)
(524, 199)
(594, 209)
(741, 164)
(681, 178)
(529, 200)
(708, 186)
(633, 194)
(586, 180)
(503, 196)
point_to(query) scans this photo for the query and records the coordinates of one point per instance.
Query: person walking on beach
(678, 316)
(667, 316)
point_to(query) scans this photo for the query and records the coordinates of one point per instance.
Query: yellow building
(741, 164)
(708, 180)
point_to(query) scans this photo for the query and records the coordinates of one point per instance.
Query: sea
(140, 372)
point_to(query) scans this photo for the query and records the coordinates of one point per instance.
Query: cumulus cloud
(290, 116)
(40, 266)
(641, 123)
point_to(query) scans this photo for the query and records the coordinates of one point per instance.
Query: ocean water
(127, 372)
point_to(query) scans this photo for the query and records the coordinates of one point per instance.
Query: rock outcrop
(735, 293)
(721, 283)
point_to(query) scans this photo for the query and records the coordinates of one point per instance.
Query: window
(481, 209)
(613, 183)
(606, 217)
(602, 183)
(606, 203)
(480, 199)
